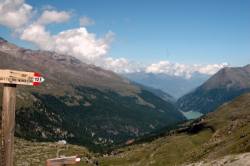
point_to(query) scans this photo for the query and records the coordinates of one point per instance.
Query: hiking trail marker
(10, 79)
(20, 77)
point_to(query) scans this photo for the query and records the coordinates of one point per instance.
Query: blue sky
(147, 31)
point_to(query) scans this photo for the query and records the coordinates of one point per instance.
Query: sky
(177, 37)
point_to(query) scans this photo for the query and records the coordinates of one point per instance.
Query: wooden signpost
(20, 77)
(10, 79)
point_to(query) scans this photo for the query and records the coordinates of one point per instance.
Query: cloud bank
(183, 70)
(79, 42)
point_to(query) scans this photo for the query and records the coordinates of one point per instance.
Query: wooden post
(8, 124)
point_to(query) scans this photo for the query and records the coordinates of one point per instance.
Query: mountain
(223, 132)
(176, 86)
(224, 86)
(82, 103)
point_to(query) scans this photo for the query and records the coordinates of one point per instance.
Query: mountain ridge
(222, 87)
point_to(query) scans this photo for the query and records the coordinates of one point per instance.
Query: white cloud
(120, 65)
(53, 16)
(183, 70)
(86, 21)
(36, 34)
(14, 13)
(77, 42)
(209, 69)
(82, 44)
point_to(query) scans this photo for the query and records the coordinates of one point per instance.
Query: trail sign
(20, 77)
(11, 78)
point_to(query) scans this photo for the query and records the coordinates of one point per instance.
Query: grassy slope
(226, 131)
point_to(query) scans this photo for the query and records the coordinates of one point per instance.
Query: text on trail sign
(20, 77)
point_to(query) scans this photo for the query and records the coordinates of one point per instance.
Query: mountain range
(82, 103)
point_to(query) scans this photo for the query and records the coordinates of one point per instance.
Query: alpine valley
(82, 103)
